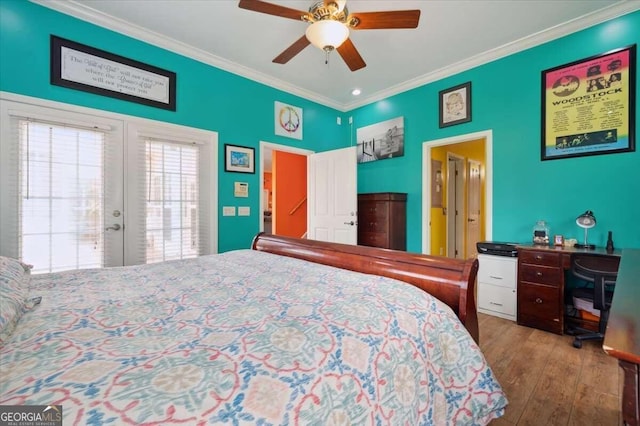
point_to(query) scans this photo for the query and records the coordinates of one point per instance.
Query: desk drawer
(540, 306)
(540, 257)
(497, 299)
(541, 274)
(496, 270)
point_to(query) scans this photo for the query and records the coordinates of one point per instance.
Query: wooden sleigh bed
(450, 280)
(288, 331)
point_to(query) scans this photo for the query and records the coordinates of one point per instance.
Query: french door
(63, 199)
(62, 202)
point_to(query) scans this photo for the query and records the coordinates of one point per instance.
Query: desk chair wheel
(577, 343)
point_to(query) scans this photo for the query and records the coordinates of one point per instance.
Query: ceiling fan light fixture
(327, 34)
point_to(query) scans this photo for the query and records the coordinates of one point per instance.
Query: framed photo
(588, 106)
(239, 159)
(558, 240)
(381, 140)
(455, 105)
(80, 67)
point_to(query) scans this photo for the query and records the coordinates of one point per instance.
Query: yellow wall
(267, 186)
(472, 150)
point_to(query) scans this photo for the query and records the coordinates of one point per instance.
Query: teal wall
(240, 110)
(506, 98)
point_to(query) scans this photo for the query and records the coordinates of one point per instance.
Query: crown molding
(86, 13)
(511, 48)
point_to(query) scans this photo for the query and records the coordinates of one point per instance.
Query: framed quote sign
(81, 67)
(588, 106)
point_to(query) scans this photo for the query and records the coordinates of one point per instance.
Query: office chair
(602, 271)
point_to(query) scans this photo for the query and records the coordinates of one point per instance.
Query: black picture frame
(239, 159)
(455, 105)
(81, 67)
(588, 106)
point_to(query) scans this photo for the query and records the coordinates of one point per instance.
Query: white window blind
(173, 225)
(59, 194)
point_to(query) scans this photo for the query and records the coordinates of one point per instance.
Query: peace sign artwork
(288, 120)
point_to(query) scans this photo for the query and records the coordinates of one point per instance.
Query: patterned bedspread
(245, 337)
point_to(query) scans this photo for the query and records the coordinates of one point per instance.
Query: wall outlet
(441, 251)
(228, 211)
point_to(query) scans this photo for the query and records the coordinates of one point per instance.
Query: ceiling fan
(330, 22)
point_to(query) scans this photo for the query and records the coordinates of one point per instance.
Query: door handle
(350, 223)
(471, 220)
(115, 227)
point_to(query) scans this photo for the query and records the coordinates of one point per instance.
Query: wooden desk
(622, 338)
(541, 282)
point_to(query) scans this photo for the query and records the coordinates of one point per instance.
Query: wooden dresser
(382, 220)
(541, 289)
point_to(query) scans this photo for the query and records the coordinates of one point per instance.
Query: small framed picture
(455, 105)
(239, 159)
(558, 240)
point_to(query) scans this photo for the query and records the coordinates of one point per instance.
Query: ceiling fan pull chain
(326, 57)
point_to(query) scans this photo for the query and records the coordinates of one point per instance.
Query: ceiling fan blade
(292, 50)
(351, 56)
(386, 20)
(272, 9)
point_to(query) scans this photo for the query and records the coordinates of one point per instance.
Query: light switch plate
(228, 211)
(244, 211)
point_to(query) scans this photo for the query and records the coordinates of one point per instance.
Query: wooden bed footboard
(450, 280)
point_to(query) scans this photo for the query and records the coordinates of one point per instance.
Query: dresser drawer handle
(538, 274)
(494, 303)
(538, 300)
(538, 257)
(494, 277)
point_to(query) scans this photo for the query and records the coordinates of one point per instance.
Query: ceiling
(452, 36)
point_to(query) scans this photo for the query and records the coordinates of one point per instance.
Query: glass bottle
(541, 233)
(610, 247)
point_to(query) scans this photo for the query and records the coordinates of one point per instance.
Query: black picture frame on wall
(588, 106)
(81, 67)
(455, 105)
(239, 159)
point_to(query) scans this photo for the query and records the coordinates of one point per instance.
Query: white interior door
(333, 199)
(455, 206)
(473, 208)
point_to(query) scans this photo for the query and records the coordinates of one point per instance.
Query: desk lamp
(586, 220)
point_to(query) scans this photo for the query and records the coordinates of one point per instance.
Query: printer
(497, 248)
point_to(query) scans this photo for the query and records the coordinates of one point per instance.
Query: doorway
(268, 186)
(434, 218)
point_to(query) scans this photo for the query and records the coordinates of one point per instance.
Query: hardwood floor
(547, 380)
